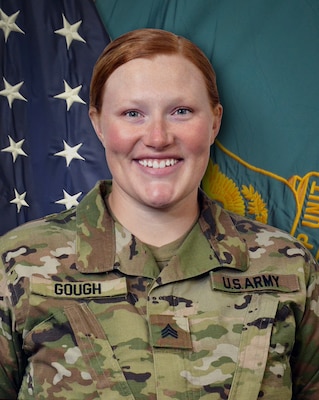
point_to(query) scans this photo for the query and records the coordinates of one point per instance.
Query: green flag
(266, 56)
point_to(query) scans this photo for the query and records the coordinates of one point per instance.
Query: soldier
(148, 289)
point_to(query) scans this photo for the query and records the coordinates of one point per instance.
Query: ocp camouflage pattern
(85, 312)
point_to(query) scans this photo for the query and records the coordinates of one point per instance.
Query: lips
(158, 164)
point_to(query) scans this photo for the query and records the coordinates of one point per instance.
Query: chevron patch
(170, 331)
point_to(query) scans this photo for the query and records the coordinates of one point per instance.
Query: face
(156, 125)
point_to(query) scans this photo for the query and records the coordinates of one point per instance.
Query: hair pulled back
(148, 43)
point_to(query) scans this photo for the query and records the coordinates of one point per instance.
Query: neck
(154, 226)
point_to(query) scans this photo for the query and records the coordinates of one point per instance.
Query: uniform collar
(219, 229)
(95, 240)
(99, 251)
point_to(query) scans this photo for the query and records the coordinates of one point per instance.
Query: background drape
(265, 163)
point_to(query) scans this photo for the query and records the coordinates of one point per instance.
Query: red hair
(148, 43)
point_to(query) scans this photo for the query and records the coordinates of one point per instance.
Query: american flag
(49, 154)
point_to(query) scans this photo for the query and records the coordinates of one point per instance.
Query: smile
(158, 164)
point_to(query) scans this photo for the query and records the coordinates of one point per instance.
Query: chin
(158, 203)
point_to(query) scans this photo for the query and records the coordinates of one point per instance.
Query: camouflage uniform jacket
(85, 312)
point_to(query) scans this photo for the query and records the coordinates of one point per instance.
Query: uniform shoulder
(245, 225)
(269, 240)
(40, 229)
(263, 241)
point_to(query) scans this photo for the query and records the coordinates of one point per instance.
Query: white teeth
(158, 163)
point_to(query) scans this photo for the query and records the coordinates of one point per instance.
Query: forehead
(161, 69)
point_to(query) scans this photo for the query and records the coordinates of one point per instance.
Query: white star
(70, 31)
(69, 201)
(70, 153)
(70, 95)
(15, 149)
(12, 92)
(8, 25)
(19, 200)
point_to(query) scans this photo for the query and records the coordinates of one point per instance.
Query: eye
(132, 114)
(182, 111)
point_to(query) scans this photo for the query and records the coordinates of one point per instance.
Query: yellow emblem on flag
(244, 201)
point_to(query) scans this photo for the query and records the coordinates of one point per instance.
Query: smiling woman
(157, 137)
(157, 140)
(148, 289)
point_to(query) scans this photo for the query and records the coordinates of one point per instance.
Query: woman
(148, 290)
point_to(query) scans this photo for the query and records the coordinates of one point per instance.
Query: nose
(158, 133)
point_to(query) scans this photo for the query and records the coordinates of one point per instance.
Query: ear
(95, 120)
(218, 114)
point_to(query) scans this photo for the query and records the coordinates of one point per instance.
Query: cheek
(114, 141)
(198, 143)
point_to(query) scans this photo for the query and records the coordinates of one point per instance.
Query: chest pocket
(254, 347)
(231, 346)
(70, 354)
(98, 353)
(264, 293)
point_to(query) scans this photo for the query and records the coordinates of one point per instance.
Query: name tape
(89, 289)
(263, 282)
